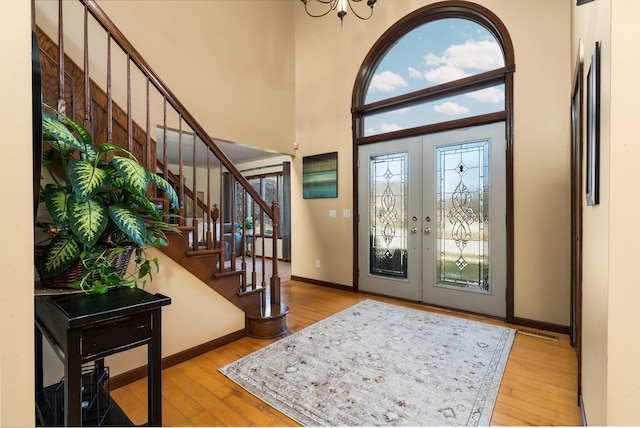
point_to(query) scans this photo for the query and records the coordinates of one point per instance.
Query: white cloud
(450, 108)
(489, 95)
(414, 73)
(483, 55)
(433, 59)
(401, 111)
(446, 73)
(390, 127)
(462, 60)
(387, 81)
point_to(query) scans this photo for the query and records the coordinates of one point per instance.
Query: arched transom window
(443, 63)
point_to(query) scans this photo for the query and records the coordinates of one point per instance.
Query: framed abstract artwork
(320, 176)
(593, 129)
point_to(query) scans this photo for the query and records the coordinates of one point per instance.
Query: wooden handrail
(101, 112)
(146, 69)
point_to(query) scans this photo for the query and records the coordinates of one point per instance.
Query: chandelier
(339, 5)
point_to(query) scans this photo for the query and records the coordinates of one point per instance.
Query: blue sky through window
(437, 52)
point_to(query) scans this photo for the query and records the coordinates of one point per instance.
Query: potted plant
(100, 214)
(248, 223)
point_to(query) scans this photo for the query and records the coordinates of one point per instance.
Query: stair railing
(176, 121)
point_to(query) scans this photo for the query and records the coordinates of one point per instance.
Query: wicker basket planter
(77, 270)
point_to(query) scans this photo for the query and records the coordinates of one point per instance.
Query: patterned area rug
(380, 364)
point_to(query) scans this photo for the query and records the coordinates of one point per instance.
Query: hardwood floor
(538, 387)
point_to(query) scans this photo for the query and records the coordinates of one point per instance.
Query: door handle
(414, 230)
(427, 230)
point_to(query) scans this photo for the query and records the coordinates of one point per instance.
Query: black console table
(83, 329)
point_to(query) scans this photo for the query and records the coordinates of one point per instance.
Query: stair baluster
(81, 98)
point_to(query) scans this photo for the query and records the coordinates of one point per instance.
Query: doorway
(432, 219)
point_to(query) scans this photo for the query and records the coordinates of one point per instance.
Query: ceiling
(237, 153)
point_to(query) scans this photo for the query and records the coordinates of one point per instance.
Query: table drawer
(115, 334)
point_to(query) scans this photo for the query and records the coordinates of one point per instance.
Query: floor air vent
(539, 334)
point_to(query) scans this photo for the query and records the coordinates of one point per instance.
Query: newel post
(275, 279)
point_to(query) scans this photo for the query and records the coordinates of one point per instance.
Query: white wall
(544, 70)
(327, 61)
(624, 293)
(229, 61)
(610, 377)
(16, 245)
(592, 22)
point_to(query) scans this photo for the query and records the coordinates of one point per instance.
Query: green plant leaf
(148, 208)
(89, 154)
(117, 181)
(47, 156)
(86, 179)
(88, 220)
(129, 221)
(134, 174)
(97, 288)
(58, 135)
(164, 185)
(61, 253)
(108, 147)
(56, 201)
(85, 136)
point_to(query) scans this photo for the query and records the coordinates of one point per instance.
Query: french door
(432, 224)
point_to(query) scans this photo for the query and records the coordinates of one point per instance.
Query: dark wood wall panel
(74, 99)
(73, 80)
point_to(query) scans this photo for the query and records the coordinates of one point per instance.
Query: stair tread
(203, 252)
(251, 290)
(226, 273)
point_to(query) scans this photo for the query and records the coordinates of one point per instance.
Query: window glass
(437, 52)
(268, 186)
(483, 101)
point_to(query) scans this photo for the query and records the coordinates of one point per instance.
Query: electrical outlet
(318, 263)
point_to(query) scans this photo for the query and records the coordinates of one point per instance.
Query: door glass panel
(388, 215)
(462, 192)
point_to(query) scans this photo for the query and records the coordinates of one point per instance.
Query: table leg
(39, 372)
(154, 349)
(73, 381)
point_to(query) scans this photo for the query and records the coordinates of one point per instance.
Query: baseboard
(556, 328)
(322, 283)
(582, 411)
(172, 360)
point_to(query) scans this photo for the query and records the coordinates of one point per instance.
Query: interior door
(432, 224)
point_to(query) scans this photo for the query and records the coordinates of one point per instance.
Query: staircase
(213, 194)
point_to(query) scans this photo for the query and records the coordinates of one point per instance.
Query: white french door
(432, 224)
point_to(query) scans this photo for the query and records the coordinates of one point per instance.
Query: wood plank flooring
(538, 388)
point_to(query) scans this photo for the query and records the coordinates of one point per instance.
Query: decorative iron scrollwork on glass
(463, 219)
(388, 216)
